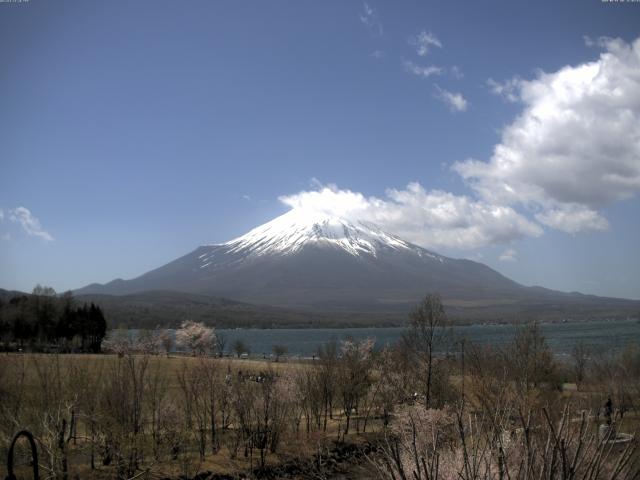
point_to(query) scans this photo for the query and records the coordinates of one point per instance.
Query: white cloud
(509, 255)
(433, 219)
(600, 42)
(424, 41)
(315, 183)
(1, 215)
(575, 148)
(455, 101)
(377, 54)
(29, 223)
(369, 17)
(572, 218)
(456, 72)
(509, 89)
(421, 71)
(6, 236)
(330, 199)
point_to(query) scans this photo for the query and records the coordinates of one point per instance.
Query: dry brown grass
(297, 446)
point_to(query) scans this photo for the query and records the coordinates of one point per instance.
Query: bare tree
(279, 351)
(389, 387)
(436, 444)
(427, 324)
(354, 376)
(212, 387)
(327, 376)
(86, 380)
(580, 356)
(198, 385)
(165, 341)
(221, 343)
(239, 347)
(530, 360)
(123, 399)
(308, 385)
(158, 408)
(54, 406)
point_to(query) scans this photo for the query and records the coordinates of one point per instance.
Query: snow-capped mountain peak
(297, 228)
(311, 260)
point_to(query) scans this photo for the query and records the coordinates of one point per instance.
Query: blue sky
(132, 132)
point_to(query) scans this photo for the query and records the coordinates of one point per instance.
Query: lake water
(561, 337)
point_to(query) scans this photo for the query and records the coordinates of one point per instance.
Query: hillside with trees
(46, 322)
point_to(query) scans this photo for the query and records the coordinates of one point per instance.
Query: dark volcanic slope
(329, 264)
(169, 308)
(322, 277)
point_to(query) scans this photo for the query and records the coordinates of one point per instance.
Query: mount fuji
(318, 262)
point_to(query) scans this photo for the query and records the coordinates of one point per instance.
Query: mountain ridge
(311, 261)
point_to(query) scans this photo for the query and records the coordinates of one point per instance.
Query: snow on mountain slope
(288, 233)
(311, 261)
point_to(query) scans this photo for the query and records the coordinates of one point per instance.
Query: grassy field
(38, 374)
(101, 395)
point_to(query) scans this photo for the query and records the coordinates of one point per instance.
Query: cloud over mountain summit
(573, 150)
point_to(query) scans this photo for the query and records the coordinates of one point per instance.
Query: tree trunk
(428, 396)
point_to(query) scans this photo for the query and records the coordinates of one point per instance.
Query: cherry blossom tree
(195, 337)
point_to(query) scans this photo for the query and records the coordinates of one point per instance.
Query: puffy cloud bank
(429, 218)
(573, 150)
(575, 147)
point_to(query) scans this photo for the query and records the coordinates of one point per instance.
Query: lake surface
(561, 337)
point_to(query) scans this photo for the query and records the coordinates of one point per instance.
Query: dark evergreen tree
(5, 326)
(44, 320)
(66, 328)
(23, 324)
(96, 328)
